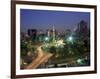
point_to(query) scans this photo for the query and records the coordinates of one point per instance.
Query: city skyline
(66, 43)
(46, 19)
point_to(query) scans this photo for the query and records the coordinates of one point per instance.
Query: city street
(41, 58)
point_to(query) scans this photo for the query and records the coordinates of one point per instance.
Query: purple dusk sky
(46, 19)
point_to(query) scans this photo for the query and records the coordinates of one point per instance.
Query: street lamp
(46, 38)
(80, 61)
(70, 38)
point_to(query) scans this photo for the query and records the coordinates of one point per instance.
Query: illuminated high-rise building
(53, 34)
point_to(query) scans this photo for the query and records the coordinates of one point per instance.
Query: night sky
(46, 19)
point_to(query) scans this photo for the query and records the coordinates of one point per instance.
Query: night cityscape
(54, 39)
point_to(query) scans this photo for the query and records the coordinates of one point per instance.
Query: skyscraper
(53, 34)
(82, 29)
(32, 33)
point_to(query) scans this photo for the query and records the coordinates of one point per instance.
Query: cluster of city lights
(58, 42)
